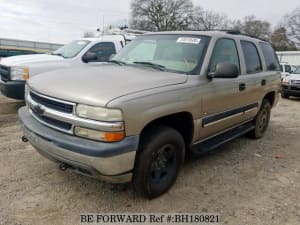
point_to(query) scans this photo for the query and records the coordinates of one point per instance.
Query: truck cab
(286, 69)
(15, 70)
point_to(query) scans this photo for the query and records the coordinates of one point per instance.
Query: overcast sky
(63, 20)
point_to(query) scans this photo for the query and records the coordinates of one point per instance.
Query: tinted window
(224, 52)
(270, 56)
(103, 51)
(253, 63)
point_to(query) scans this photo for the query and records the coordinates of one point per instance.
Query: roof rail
(235, 32)
(229, 31)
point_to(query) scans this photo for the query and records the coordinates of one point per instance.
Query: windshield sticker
(188, 40)
(81, 42)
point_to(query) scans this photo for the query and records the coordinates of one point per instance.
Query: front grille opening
(295, 88)
(5, 73)
(59, 106)
(54, 122)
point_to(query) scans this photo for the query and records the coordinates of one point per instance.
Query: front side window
(288, 68)
(72, 49)
(270, 56)
(175, 53)
(225, 51)
(253, 63)
(103, 51)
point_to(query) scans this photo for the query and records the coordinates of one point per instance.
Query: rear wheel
(158, 161)
(261, 120)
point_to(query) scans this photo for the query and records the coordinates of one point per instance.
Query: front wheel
(158, 161)
(261, 121)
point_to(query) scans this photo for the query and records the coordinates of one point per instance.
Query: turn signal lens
(113, 137)
(99, 135)
(26, 74)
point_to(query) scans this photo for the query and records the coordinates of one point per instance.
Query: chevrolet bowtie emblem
(38, 109)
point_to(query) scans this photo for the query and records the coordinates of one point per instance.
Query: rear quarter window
(270, 56)
(253, 62)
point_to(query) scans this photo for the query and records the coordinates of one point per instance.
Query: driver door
(221, 104)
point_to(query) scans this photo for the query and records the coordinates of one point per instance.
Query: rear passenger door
(252, 79)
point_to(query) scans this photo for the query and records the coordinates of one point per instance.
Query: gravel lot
(248, 182)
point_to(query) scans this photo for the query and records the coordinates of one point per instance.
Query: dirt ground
(247, 181)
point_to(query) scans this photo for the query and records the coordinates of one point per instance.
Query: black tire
(261, 120)
(159, 158)
(284, 95)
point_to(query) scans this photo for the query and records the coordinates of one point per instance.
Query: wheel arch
(182, 122)
(271, 97)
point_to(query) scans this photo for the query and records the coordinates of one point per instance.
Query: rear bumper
(13, 89)
(112, 162)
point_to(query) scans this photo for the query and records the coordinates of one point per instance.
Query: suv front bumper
(291, 90)
(13, 89)
(112, 162)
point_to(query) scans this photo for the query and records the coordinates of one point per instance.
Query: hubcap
(163, 164)
(263, 120)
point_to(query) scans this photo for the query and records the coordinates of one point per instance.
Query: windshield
(72, 49)
(175, 53)
(297, 71)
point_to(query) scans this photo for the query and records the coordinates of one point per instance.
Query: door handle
(242, 87)
(263, 82)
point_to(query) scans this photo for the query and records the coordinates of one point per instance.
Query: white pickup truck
(15, 70)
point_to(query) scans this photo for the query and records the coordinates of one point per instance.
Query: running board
(215, 142)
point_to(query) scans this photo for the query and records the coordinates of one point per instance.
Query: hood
(24, 60)
(294, 76)
(98, 85)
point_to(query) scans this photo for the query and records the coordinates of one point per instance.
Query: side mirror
(89, 56)
(225, 70)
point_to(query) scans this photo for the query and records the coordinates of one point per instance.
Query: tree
(254, 27)
(293, 26)
(209, 20)
(280, 40)
(161, 15)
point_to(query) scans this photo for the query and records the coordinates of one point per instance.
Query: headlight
(286, 81)
(26, 89)
(99, 135)
(98, 113)
(26, 92)
(19, 73)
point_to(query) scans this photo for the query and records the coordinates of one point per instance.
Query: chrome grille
(60, 115)
(52, 104)
(295, 81)
(38, 103)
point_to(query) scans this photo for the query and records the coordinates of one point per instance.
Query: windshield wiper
(117, 62)
(59, 54)
(154, 65)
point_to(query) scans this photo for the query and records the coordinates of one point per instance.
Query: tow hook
(24, 139)
(63, 166)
